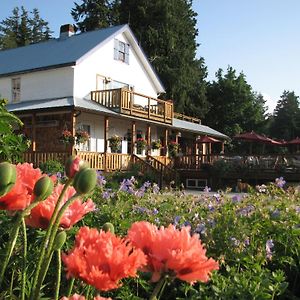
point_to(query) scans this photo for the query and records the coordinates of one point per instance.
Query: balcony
(134, 104)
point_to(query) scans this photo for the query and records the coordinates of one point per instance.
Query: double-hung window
(121, 51)
(16, 89)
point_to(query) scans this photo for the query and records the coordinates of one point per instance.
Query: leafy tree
(11, 145)
(234, 105)
(20, 29)
(166, 30)
(285, 122)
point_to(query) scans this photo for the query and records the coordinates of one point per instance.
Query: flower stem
(24, 260)
(71, 287)
(48, 253)
(158, 288)
(58, 278)
(13, 237)
(46, 239)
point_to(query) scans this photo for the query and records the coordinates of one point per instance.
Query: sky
(260, 38)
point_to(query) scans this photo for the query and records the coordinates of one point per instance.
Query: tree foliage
(234, 105)
(285, 122)
(166, 30)
(21, 29)
(12, 145)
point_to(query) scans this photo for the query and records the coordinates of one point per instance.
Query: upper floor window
(16, 89)
(121, 51)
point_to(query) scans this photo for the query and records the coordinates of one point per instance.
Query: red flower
(172, 251)
(21, 195)
(102, 259)
(78, 297)
(41, 214)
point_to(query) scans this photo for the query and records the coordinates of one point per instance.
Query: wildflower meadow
(81, 235)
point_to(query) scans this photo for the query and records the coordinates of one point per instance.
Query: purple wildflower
(154, 211)
(201, 228)
(206, 189)
(100, 179)
(210, 206)
(269, 246)
(235, 242)
(247, 242)
(155, 188)
(280, 182)
(236, 198)
(297, 209)
(176, 220)
(275, 213)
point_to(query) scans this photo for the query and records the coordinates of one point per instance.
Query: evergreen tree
(285, 122)
(20, 29)
(166, 30)
(94, 14)
(234, 106)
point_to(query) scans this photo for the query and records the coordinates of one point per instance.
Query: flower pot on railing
(173, 148)
(115, 143)
(140, 145)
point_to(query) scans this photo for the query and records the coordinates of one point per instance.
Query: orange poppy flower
(172, 251)
(102, 259)
(41, 214)
(21, 195)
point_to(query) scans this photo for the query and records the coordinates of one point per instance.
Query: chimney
(66, 31)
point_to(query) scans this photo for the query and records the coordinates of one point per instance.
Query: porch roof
(88, 105)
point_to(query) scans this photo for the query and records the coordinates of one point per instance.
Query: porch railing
(135, 104)
(105, 161)
(38, 157)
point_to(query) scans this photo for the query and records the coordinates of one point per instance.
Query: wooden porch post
(222, 147)
(148, 139)
(133, 136)
(33, 145)
(73, 126)
(105, 134)
(166, 141)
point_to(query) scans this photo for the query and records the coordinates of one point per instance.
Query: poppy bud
(85, 180)
(8, 177)
(59, 241)
(108, 227)
(43, 188)
(73, 165)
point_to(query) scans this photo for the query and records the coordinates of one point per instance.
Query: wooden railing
(135, 104)
(187, 118)
(168, 174)
(164, 160)
(105, 161)
(38, 157)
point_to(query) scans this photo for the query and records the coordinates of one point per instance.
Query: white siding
(41, 84)
(116, 126)
(102, 62)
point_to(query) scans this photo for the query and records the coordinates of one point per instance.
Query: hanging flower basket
(173, 148)
(115, 143)
(82, 136)
(140, 144)
(67, 137)
(155, 145)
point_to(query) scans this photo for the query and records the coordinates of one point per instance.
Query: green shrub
(52, 167)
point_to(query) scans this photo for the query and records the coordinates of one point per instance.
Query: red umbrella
(251, 137)
(208, 139)
(295, 141)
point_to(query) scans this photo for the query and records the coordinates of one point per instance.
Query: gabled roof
(69, 51)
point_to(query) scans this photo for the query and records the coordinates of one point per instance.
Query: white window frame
(121, 51)
(16, 89)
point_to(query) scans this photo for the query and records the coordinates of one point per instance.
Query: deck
(134, 104)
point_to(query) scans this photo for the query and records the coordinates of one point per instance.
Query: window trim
(16, 89)
(121, 51)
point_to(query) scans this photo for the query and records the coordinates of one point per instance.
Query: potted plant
(115, 143)
(173, 148)
(140, 144)
(82, 136)
(67, 137)
(156, 144)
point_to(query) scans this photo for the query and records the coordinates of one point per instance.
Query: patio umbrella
(252, 137)
(295, 141)
(208, 139)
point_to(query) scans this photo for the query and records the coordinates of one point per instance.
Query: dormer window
(121, 51)
(16, 89)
